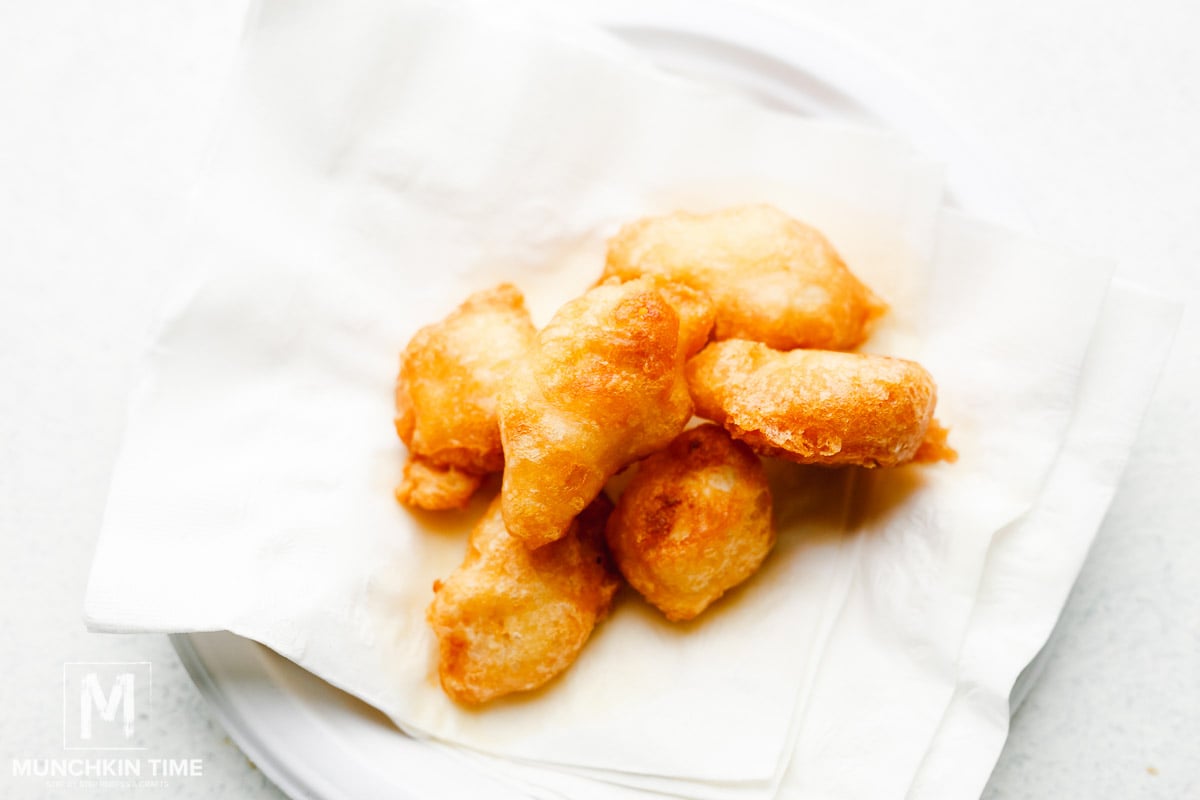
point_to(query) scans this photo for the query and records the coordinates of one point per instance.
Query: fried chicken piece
(510, 618)
(434, 488)
(694, 521)
(602, 387)
(450, 376)
(816, 406)
(772, 279)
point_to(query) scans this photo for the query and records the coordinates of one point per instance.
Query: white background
(105, 110)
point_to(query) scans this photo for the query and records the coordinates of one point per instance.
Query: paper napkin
(380, 161)
(358, 196)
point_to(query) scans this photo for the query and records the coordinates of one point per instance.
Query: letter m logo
(101, 704)
(91, 696)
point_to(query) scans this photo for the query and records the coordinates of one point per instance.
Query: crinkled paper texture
(382, 160)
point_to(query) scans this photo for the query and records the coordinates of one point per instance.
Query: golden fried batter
(450, 375)
(773, 279)
(434, 488)
(815, 406)
(510, 618)
(602, 387)
(936, 446)
(693, 522)
(695, 310)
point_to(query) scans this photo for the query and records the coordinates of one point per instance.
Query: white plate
(315, 741)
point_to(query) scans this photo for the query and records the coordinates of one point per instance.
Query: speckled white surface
(1094, 109)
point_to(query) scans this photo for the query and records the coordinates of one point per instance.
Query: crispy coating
(693, 522)
(603, 386)
(696, 313)
(936, 446)
(773, 279)
(436, 488)
(450, 375)
(815, 406)
(510, 618)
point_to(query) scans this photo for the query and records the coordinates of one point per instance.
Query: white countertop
(1094, 110)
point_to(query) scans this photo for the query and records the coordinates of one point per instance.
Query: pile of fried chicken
(741, 317)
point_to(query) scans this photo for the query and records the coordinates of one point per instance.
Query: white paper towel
(359, 195)
(384, 159)
(918, 685)
(1032, 563)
